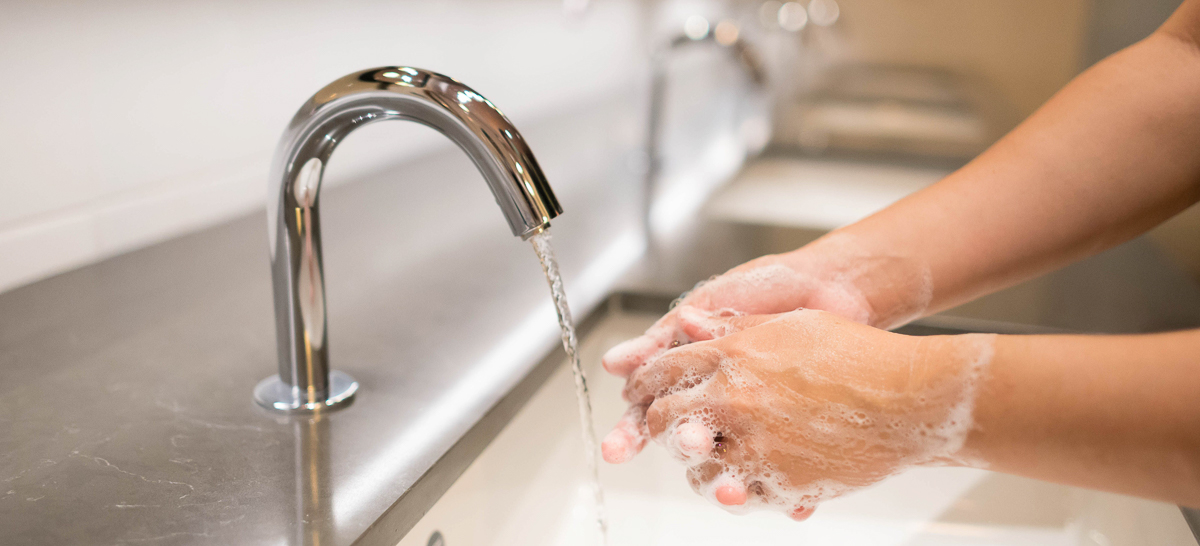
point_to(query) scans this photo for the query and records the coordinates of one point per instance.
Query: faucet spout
(305, 382)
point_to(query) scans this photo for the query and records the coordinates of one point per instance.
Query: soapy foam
(841, 276)
(627, 356)
(627, 438)
(846, 446)
(837, 273)
(692, 442)
(773, 287)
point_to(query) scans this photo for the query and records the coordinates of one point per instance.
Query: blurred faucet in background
(755, 132)
(798, 39)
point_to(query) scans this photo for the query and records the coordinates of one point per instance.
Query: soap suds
(790, 451)
(838, 274)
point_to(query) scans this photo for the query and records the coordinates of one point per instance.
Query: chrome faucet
(305, 382)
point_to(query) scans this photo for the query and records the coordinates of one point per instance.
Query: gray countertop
(127, 413)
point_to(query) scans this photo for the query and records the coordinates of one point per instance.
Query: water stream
(541, 245)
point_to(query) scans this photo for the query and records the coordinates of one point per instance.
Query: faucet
(305, 383)
(726, 36)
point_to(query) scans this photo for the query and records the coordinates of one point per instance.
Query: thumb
(701, 325)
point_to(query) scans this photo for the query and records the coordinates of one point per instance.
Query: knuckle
(738, 406)
(704, 473)
(657, 417)
(634, 392)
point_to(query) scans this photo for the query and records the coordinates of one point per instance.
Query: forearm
(1117, 413)
(1111, 155)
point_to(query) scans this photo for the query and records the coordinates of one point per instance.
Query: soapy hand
(785, 411)
(767, 285)
(833, 274)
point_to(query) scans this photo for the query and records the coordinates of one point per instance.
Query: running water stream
(541, 245)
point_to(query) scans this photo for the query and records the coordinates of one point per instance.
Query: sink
(818, 194)
(528, 487)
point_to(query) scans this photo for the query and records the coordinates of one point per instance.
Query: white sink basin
(527, 488)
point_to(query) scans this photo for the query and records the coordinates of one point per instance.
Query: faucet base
(272, 393)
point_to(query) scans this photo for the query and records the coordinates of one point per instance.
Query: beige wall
(1027, 49)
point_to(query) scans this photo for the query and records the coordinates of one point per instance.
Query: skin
(768, 385)
(1108, 157)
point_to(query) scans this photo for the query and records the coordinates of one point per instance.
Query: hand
(762, 286)
(833, 274)
(786, 411)
(767, 285)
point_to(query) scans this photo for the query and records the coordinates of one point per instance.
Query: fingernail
(731, 494)
(802, 513)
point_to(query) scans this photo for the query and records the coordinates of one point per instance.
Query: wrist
(891, 288)
(945, 381)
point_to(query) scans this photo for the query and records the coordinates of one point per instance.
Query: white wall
(126, 123)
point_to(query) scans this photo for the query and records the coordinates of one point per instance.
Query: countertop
(127, 415)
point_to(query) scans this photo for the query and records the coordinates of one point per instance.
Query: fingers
(801, 513)
(628, 356)
(762, 286)
(730, 492)
(688, 365)
(684, 324)
(700, 325)
(692, 441)
(666, 334)
(627, 438)
(758, 289)
(675, 370)
(673, 421)
(709, 478)
(701, 475)
(721, 468)
(669, 411)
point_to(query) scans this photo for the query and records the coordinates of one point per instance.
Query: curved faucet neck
(434, 100)
(395, 92)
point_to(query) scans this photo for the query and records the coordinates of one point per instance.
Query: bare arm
(1113, 154)
(786, 411)
(1117, 413)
